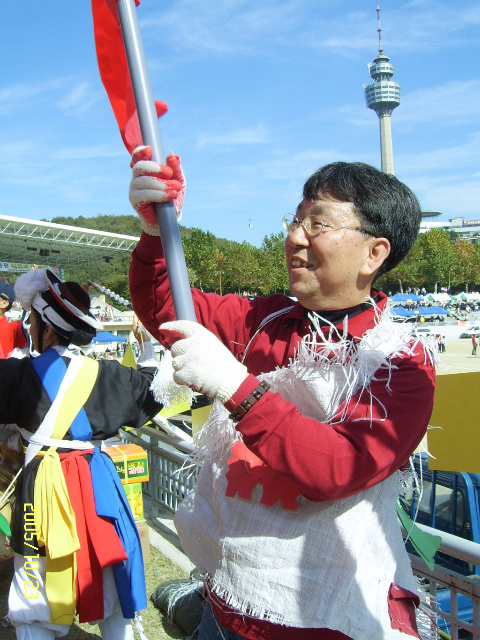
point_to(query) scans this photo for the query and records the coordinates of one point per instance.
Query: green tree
(405, 274)
(221, 262)
(125, 225)
(438, 259)
(200, 248)
(244, 270)
(274, 272)
(467, 265)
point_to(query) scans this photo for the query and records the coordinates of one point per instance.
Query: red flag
(113, 67)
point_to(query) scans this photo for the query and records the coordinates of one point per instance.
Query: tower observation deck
(383, 96)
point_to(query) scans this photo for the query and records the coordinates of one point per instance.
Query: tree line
(213, 264)
(438, 259)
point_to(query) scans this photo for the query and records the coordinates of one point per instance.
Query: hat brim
(54, 283)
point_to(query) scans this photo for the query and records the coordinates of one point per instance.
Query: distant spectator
(11, 335)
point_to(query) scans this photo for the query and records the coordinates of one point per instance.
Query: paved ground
(458, 357)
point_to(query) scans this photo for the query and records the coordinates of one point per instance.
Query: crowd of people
(319, 401)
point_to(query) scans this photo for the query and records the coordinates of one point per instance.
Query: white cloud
(251, 135)
(69, 95)
(235, 26)
(273, 27)
(24, 96)
(445, 179)
(80, 99)
(95, 151)
(453, 102)
(444, 159)
(453, 195)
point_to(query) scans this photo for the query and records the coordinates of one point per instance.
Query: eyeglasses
(314, 226)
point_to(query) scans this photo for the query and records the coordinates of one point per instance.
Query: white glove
(152, 182)
(201, 361)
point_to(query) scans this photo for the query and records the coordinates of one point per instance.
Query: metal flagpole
(147, 116)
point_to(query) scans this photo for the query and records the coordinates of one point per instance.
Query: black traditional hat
(57, 305)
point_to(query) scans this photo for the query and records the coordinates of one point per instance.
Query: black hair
(386, 207)
(41, 328)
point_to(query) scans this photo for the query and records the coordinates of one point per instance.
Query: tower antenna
(379, 29)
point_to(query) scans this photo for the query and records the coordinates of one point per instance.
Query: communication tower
(383, 95)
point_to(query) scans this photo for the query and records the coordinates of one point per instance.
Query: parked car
(422, 330)
(449, 502)
(475, 330)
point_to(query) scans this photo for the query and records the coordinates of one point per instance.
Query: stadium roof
(27, 242)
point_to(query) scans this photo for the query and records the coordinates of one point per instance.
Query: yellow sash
(55, 518)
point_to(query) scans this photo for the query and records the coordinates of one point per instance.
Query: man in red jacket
(319, 404)
(11, 335)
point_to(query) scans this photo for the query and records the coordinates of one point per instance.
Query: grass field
(155, 625)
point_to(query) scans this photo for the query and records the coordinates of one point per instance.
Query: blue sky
(260, 95)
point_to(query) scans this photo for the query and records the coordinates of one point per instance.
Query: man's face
(329, 271)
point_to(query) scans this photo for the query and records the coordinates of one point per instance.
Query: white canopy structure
(25, 242)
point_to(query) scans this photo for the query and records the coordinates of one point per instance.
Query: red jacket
(11, 336)
(326, 462)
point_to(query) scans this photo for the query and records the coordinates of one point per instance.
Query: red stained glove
(153, 182)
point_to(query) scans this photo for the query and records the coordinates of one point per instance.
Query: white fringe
(164, 388)
(326, 372)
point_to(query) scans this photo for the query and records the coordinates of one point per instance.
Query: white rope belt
(45, 441)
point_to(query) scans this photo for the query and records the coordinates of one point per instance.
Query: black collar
(337, 316)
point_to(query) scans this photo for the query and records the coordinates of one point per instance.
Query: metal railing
(170, 480)
(458, 585)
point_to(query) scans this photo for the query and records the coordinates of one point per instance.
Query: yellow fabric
(128, 359)
(56, 531)
(75, 397)
(56, 519)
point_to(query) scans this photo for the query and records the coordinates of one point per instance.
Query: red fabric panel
(246, 470)
(100, 545)
(89, 573)
(253, 629)
(401, 609)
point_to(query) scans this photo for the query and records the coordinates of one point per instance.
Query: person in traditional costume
(76, 545)
(11, 333)
(13, 341)
(319, 402)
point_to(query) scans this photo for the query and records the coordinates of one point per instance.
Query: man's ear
(49, 336)
(378, 252)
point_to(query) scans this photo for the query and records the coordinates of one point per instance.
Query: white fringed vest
(326, 565)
